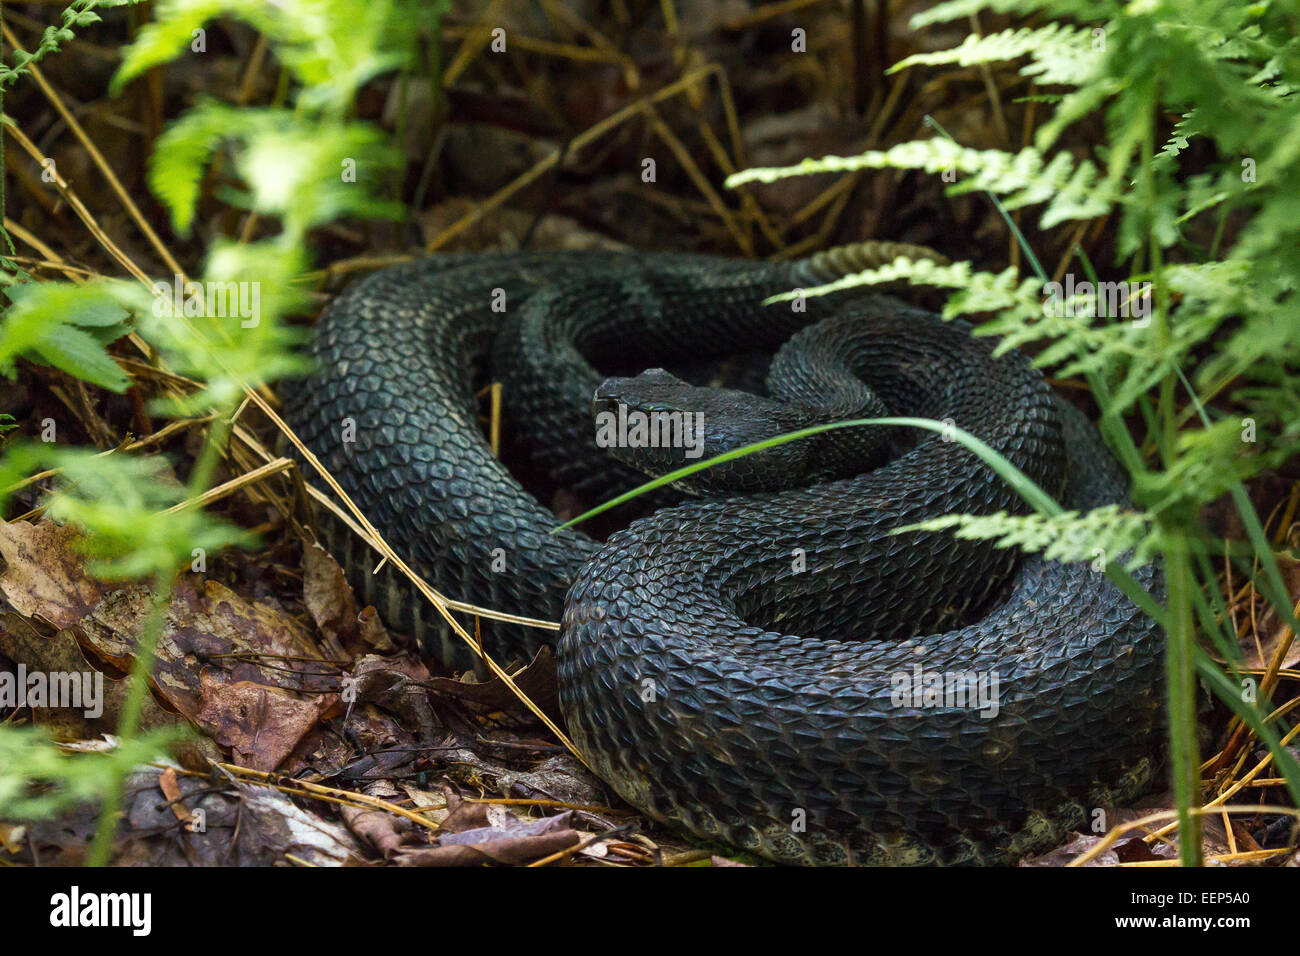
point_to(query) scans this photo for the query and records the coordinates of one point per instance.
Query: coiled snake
(776, 670)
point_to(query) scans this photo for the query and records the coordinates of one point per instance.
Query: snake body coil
(780, 671)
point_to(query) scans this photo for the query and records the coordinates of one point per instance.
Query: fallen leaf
(399, 685)
(45, 574)
(22, 642)
(384, 831)
(510, 841)
(538, 680)
(208, 630)
(171, 789)
(261, 725)
(333, 606)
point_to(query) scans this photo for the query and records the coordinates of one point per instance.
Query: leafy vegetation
(303, 164)
(1223, 319)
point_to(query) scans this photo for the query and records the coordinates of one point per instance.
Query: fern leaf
(964, 9)
(181, 156)
(1108, 533)
(1071, 191)
(1059, 54)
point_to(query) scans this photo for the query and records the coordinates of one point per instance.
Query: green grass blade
(1019, 482)
(1002, 211)
(1273, 586)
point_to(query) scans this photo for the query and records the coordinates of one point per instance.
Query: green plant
(1224, 320)
(301, 165)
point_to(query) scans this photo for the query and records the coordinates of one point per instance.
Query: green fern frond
(1059, 54)
(181, 155)
(903, 269)
(293, 167)
(964, 9)
(80, 13)
(1205, 283)
(1104, 534)
(1183, 131)
(1074, 106)
(1070, 190)
(325, 44)
(1209, 462)
(1083, 333)
(1271, 75)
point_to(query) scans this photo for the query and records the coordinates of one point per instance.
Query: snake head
(657, 423)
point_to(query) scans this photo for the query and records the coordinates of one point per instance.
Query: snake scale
(776, 670)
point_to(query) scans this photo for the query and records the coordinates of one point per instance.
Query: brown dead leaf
(208, 629)
(538, 680)
(508, 840)
(334, 607)
(261, 725)
(45, 574)
(171, 789)
(1134, 850)
(398, 685)
(463, 814)
(233, 824)
(384, 831)
(25, 643)
(369, 743)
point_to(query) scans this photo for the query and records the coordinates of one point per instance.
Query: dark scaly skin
(736, 731)
(671, 683)
(395, 354)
